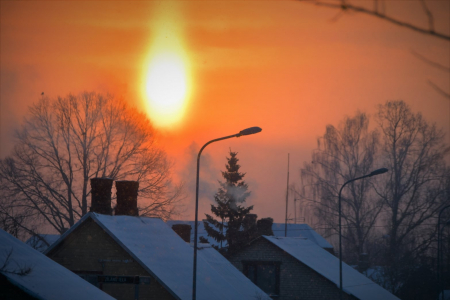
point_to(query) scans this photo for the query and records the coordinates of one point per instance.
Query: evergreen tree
(229, 225)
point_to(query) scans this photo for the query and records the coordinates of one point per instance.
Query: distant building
(42, 241)
(293, 230)
(289, 268)
(46, 280)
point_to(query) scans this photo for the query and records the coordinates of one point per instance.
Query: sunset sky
(288, 67)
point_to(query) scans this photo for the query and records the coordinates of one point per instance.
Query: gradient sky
(289, 67)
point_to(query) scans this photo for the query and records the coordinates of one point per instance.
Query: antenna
(295, 210)
(287, 196)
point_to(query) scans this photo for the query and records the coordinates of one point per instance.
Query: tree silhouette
(230, 225)
(68, 140)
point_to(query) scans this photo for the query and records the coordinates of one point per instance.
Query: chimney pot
(101, 195)
(127, 192)
(265, 226)
(184, 231)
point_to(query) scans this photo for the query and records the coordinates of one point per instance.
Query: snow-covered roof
(42, 242)
(237, 279)
(169, 259)
(327, 265)
(293, 230)
(47, 280)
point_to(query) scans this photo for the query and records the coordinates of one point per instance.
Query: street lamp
(248, 131)
(439, 256)
(376, 172)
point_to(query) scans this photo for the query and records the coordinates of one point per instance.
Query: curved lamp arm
(248, 131)
(373, 173)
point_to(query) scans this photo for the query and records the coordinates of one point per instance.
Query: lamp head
(248, 131)
(378, 172)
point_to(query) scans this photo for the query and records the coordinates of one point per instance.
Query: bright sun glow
(166, 84)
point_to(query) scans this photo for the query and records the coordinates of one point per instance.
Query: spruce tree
(229, 211)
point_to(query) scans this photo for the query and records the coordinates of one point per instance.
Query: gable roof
(327, 265)
(167, 257)
(293, 230)
(47, 279)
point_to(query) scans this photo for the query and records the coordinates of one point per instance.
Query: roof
(47, 279)
(327, 265)
(237, 279)
(293, 230)
(169, 259)
(42, 242)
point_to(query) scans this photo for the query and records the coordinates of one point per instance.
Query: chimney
(184, 231)
(101, 195)
(127, 198)
(265, 226)
(250, 221)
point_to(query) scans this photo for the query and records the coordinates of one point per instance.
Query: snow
(293, 230)
(300, 230)
(37, 243)
(47, 280)
(327, 265)
(232, 275)
(170, 260)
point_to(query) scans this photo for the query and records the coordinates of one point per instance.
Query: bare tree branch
(66, 141)
(439, 90)
(344, 6)
(431, 62)
(19, 270)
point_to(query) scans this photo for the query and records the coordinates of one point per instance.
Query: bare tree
(66, 141)
(414, 190)
(344, 153)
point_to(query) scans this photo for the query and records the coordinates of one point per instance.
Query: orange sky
(282, 65)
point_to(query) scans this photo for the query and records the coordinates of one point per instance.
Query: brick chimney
(101, 195)
(127, 198)
(184, 231)
(250, 221)
(265, 226)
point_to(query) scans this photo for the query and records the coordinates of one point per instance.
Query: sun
(166, 85)
(166, 88)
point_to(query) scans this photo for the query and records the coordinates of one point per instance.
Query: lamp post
(439, 255)
(248, 131)
(376, 172)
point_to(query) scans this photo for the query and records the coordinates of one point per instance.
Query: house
(107, 249)
(132, 257)
(28, 274)
(297, 268)
(278, 229)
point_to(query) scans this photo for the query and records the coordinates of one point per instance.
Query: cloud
(208, 175)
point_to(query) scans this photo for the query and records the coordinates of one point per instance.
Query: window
(265, 274)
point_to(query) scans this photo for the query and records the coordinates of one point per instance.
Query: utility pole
(287, 195)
